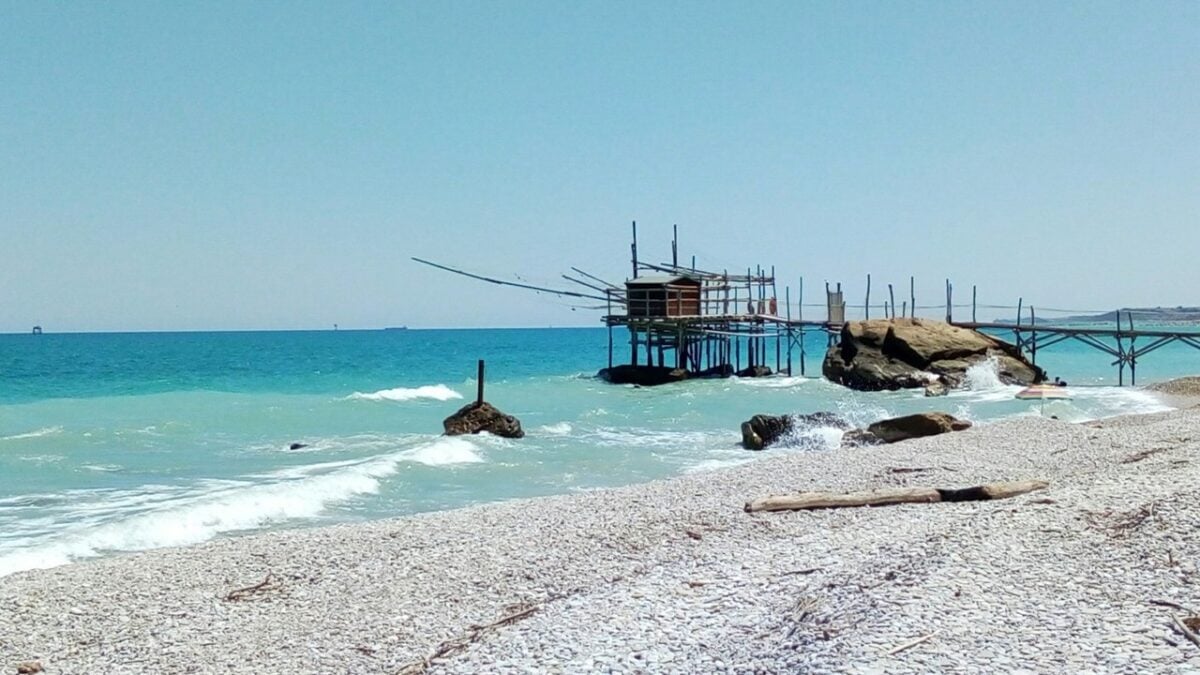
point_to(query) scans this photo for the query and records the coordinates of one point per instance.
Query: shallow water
(118, 442)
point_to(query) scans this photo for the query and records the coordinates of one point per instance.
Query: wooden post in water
(787, 301)
(608, 296)
(1132, 348)
(479, 377)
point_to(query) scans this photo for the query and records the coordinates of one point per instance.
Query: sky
(232, 165)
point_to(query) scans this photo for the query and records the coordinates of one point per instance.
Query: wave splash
(984, 375)
(437, 392)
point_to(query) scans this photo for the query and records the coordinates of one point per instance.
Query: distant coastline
(1170, 316)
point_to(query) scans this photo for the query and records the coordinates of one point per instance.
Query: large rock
(916, 426)
(476, 417)
(910, 353)
(762, 431)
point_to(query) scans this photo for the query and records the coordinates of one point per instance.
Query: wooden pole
(479, 377)
(949, 302)
(608, 293)
(787, 300)
(1033, 336)
(912, 296)
(973, 319)
(675, 246)
(633, 248)
(892, 300)
(800, 300)
(867, 302)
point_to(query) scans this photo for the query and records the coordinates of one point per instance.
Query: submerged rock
(936, 389)
(910, 353)
(476, 417)
(762, 431)
(755, 371)
(646, 376)
(297, 446)
(916, 426)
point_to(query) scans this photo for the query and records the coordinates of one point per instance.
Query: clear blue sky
(274, 165)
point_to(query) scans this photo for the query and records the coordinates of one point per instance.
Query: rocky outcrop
(916, 426)
(762, 431)
(910, 353)
(482, 416)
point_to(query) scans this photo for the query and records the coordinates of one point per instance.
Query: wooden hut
(663, 296)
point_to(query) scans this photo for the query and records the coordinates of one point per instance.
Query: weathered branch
(882, 497)
(1187, 632)
(241, 593)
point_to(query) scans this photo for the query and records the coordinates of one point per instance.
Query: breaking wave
(163, 516)
(437, 392)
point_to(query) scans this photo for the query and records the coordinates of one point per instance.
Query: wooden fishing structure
(684, 322)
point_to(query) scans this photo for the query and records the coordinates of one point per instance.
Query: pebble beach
(672, 576)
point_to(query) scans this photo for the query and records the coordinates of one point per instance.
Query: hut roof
(661, 280)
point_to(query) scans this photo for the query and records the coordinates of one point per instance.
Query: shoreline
(672, 576)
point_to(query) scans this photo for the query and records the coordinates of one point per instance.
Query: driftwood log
(917, 495)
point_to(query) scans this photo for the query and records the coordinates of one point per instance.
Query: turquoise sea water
(120, 442)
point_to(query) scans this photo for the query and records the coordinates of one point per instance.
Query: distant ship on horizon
(396, 328)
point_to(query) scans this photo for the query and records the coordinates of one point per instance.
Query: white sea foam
(444, 451)
(713, 464)
(557, 429)
(45, 431)
(437, 392)
(172, 518)
(775, 382)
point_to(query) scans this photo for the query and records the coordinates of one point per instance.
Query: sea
(120, 442)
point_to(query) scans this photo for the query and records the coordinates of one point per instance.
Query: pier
(685, 322)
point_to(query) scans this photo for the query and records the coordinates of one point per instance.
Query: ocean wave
(443, 451)
(556, 429)
(45, 431)
(224, 506)
(437, 392)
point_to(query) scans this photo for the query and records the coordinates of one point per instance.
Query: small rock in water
(297, 446)
(482, 416)
(936, 389)
(761, 431)
(29, 667)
